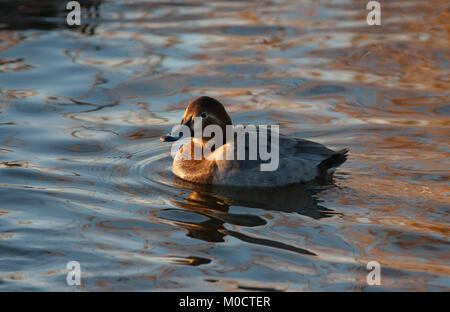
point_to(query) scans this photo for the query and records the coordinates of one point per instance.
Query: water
(83, 175)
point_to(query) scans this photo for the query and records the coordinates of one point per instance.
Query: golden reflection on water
(84, 176)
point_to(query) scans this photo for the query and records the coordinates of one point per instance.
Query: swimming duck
(298, 160)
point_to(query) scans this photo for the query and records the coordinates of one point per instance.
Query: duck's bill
(170, 138)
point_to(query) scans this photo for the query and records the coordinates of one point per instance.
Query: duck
(296, 160)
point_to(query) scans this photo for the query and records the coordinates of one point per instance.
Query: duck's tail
(327, 166)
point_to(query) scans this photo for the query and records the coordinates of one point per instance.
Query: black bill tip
(170, 138)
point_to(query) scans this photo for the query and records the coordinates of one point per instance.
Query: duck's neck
(221, 140)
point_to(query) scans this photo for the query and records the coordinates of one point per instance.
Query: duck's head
(211, 111)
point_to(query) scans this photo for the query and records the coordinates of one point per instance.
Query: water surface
(83, 175)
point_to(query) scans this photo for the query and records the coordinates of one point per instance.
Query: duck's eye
(203, 115)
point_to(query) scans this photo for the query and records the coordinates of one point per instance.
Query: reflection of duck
(291, 198)
(213, 203)
(297, 160)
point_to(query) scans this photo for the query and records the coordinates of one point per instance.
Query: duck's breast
(186, 167)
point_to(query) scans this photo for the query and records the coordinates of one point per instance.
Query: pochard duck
(297, 160)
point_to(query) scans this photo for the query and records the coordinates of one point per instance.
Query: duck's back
(298, 161)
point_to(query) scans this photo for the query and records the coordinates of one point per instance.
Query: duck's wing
(321, 156)
(309, 150)
(292, 160)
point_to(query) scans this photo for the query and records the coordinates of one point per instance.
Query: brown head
(210, 110)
